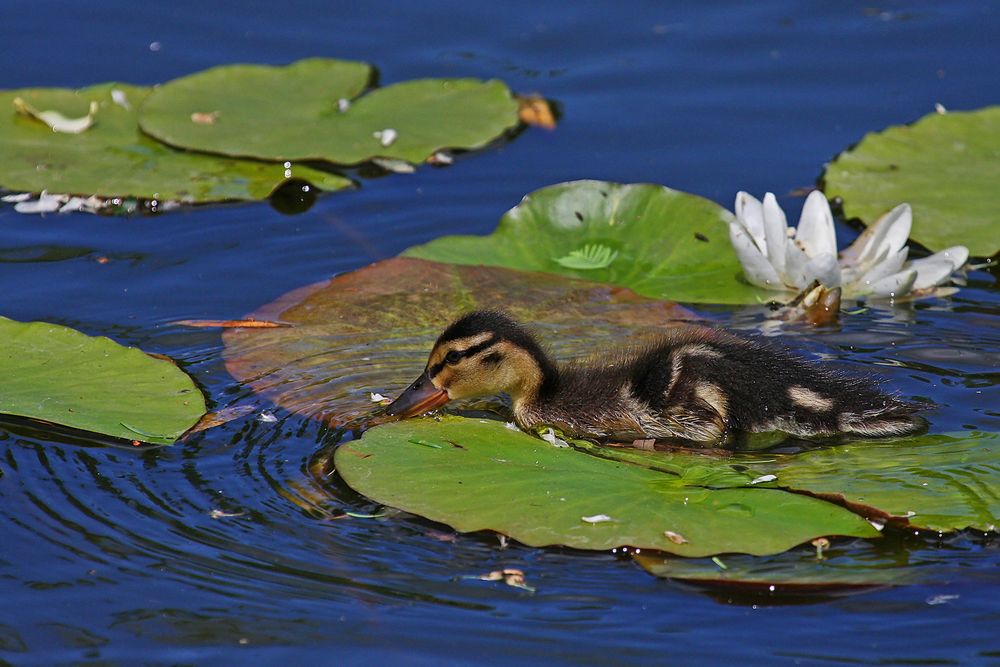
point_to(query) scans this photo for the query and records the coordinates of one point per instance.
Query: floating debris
(45, 203)
(48, 202)
(267, 417)
(509, 575)
(424, 443)
(394, 165)
(55, 120)
(343, 104)
(248, 323)
(763, 478)
(121, 99)
(535, 110)
(442, 536)
(386, 137)
(441, 159)
(676, 538)
(205, 117)
(596, 518)
(549, 436)
(219, 514)
(376, 397)
(820, 543)
(941, 599)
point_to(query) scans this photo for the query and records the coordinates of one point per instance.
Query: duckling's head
(481, 353)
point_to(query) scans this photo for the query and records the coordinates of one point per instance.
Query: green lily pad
(659, 242)
(946, 166)
(59, 375)
(479, 475)
(371, 330)
(941, 482)
(113, 159)
(295, 113)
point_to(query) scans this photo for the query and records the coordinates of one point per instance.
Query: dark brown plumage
(694, 384)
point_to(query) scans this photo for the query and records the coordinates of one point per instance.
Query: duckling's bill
(420, 397)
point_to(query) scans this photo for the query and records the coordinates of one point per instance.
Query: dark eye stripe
(468, 352)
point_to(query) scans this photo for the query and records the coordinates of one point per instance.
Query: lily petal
(815, 232)
(887, 234)
(751, 215)
(957, 254)
(936, 269)
(825, 269)
(795, 266)
(775, 232)
(755, 265)
(931, 271)
(884, 267)
(895, 285)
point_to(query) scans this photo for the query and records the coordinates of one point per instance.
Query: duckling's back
(710, 386)
(763, 386)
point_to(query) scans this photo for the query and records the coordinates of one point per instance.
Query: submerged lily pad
(940, 482)
(935, 482)
(946, 166)
(371, 330)
(113, 159)
(308, 111)
(59, 375)
(662, 243)
(479, 475)
(797, 573)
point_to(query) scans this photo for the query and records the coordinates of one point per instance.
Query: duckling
(693, 384)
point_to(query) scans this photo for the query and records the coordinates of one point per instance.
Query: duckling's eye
(453, 357)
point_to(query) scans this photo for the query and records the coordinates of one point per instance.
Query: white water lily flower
(777, 257)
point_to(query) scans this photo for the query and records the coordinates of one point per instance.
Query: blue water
(113, 557)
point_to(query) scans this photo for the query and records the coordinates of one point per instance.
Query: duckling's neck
(537, 379)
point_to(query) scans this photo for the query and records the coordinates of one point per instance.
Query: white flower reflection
(777, 257)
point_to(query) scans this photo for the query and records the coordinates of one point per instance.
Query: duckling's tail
(893, 418)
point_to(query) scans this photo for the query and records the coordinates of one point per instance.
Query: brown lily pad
(371, 330)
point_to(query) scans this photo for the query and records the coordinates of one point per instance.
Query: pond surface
(223, 549)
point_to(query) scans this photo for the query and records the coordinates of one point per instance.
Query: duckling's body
(693, 384)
